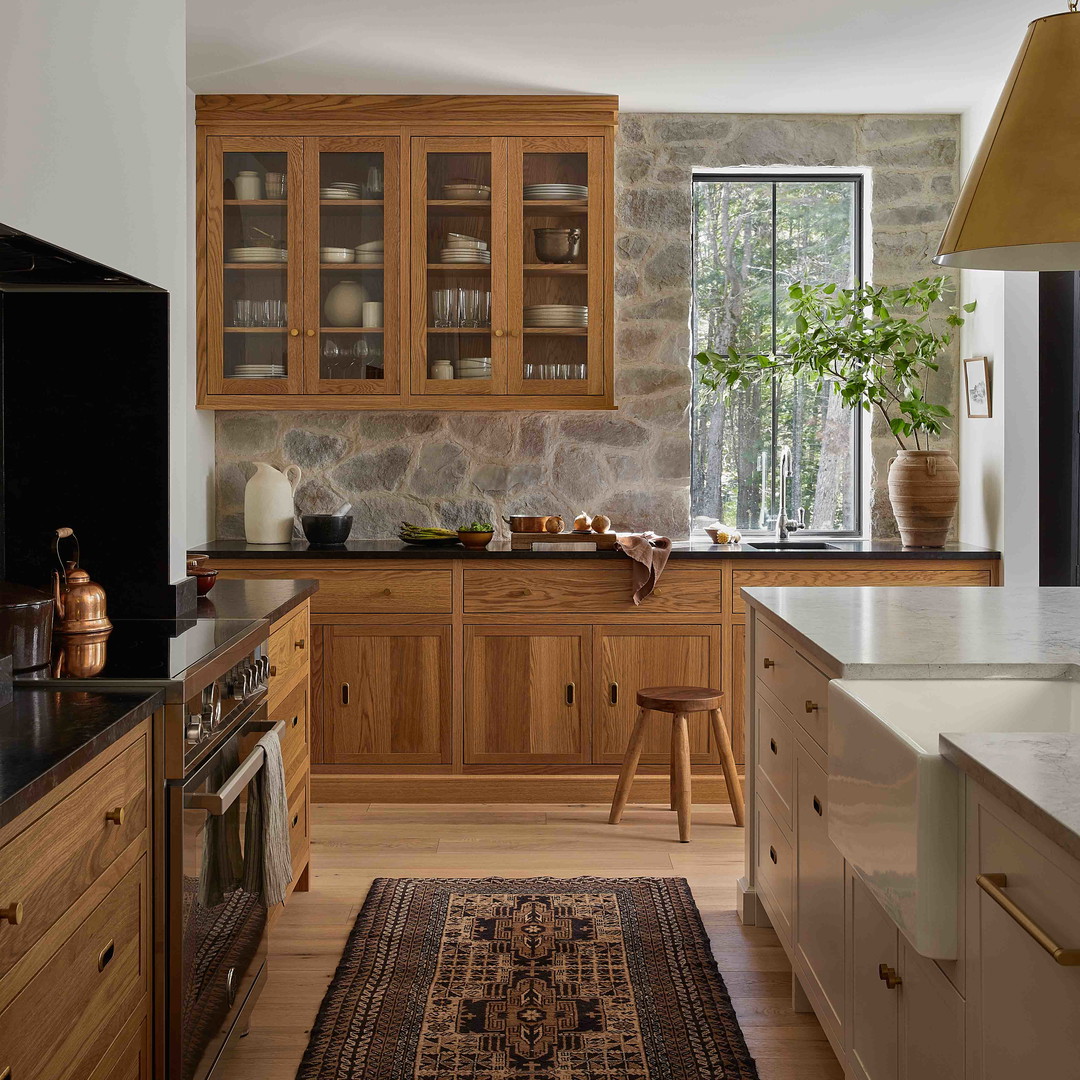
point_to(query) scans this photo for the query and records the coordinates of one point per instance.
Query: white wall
(94, 135)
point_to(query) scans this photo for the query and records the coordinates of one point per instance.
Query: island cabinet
(405, 252)
(76, 940)
(513, 677)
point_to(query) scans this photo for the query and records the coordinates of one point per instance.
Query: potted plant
(876, 346)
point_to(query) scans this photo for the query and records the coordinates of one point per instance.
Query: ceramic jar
(924, 489)
(268, 504)
(248, 185)
(442, 369)
(345, 304)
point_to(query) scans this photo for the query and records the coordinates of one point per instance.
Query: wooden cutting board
(523, 541)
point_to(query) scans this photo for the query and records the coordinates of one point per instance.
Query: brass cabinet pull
(767, 663)
(613, 694)
(889, 977)
(295, 819)
(570, 689)
(5, 1073)
(772, 745)
(310, 333)
(817, 806)
(13, 914)
(116, 815)
(498, 333)
(344, 693)
(811, 706)
(273, 670)
(295, 721)
(300, 644)
(105, 956)
(992, 884)
(294, 333)
(772, 853)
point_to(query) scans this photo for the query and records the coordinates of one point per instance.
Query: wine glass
(331, 353)
(360, 352)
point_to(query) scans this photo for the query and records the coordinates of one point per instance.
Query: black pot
(326, 530)
(26, 621)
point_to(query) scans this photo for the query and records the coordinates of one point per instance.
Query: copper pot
(26, 619)
(519, 523)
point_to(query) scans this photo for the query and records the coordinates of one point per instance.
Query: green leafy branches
(876, 346)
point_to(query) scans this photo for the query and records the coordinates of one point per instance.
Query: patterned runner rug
(527, 979)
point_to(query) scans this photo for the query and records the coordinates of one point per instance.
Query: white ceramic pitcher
(268, 504)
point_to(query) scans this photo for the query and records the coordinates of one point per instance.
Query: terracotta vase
(924, 489)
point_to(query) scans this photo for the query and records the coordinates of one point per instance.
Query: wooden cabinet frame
(513, 126)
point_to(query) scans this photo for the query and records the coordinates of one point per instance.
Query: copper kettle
(80, 603)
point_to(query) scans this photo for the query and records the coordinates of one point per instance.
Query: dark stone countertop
(237, 599)
(46, 735)
(685, 549)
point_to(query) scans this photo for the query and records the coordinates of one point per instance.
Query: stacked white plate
(556, 315)
(336, 255)
(465, 236)
(371, 252)
(472, 367)
(341, 189)
(462, 249)
(562, 192)
(256, 254)
(259, 371)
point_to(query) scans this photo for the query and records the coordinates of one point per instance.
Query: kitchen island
(913, 821)
(448, 675)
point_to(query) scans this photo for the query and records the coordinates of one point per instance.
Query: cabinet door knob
(817, 806)
(273, 670)
(301, 643)
(116, 815)
(570, 690)
(294, 333)
(13, 913)
(767, 663)
(811, 706)
(889, 977)
(613, 694)
(310, 333)
(498, 333)
(387, 592)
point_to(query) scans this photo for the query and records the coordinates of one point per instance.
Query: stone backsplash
(633, 464)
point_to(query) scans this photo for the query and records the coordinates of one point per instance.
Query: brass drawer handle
(767, 663)
(772, 745)
(613, 694)
(13, 914)
(570, 690)
(992, 884)
(300, 644)
(344, 693)
(105, 956)
(889, 977)
(772, 853)
(817, 806)
(273, 670)
(116, 815)
(295, 721)
(811, 706)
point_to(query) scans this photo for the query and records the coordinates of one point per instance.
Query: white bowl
(371, 245)
(336, 255)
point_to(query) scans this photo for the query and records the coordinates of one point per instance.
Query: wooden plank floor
(352, 844)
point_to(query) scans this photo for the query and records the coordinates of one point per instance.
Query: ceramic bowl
(336, 255)
(475, 540)
(204, 580)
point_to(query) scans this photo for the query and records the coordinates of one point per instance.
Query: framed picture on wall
(977, 382)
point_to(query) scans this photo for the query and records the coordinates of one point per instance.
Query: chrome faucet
(784, 525)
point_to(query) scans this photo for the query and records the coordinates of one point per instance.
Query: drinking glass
(470, 307)
(275, 185)
(458, 317)
(485, 309)
(331, 355)
(442, 307)
(241, 313)
(360, 352)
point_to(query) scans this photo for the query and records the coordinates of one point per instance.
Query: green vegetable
(477, 527)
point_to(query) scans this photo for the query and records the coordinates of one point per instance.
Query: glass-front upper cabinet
(555, 265)
(351, 266)
(253, 289)
(459, 257)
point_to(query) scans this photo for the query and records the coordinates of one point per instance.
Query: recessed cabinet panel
(873, 1007)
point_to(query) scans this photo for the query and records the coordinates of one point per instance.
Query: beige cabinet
(873, 1014)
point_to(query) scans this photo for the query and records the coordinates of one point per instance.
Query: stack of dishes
(259, 371)
(559, 192)
(460, 248)
(336, 255)
(256, 255)
(371, 252)
(472, 367)
(556, 315)
(470, 190)
(341, 189)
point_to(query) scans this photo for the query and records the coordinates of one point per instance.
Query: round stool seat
(679, 699)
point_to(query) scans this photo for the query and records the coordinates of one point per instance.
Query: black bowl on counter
(326, 530)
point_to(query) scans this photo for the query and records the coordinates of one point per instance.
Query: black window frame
(773, 178)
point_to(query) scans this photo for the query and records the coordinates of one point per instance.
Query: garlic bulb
(581, 523)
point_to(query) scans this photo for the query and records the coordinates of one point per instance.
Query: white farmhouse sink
(895, 804)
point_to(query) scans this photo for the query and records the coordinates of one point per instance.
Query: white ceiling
(657, 55)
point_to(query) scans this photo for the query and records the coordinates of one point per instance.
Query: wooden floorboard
(353, 844)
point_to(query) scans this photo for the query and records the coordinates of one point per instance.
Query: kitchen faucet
(783, 524)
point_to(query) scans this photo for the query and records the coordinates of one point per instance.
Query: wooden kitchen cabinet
(526, 695)
(280, 322)
(628, 658)
(385, 695)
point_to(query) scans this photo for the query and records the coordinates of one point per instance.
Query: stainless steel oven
(215, 907)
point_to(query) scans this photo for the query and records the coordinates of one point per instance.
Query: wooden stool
(679, 701)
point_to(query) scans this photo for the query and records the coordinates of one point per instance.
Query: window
(755, 234)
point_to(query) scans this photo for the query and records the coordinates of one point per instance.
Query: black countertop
(237, 599)
(695, 549)
(46, 735)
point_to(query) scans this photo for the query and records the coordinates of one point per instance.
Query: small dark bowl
(325, 530)
(204, 580)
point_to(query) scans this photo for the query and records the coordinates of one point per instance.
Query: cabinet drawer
(775, 872)
(680, 592)
(747, 578)
(49, 865)
(364, 592)
(774, 659)
(775, 761)
(298, 829)
(65, 1019)
(294, 741)
(809, 691)
(290, 652)
(131, 1061)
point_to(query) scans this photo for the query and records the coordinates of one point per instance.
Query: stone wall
(634, 464)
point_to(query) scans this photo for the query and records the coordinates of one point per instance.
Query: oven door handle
(217, 802)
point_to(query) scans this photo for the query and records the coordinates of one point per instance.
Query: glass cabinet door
(253, 288)
(351, 265)
(459, 337)
(556, 265)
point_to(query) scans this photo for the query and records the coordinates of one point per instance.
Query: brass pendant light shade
(1019, 208)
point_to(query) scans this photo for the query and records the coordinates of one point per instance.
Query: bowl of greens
(477, 534)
